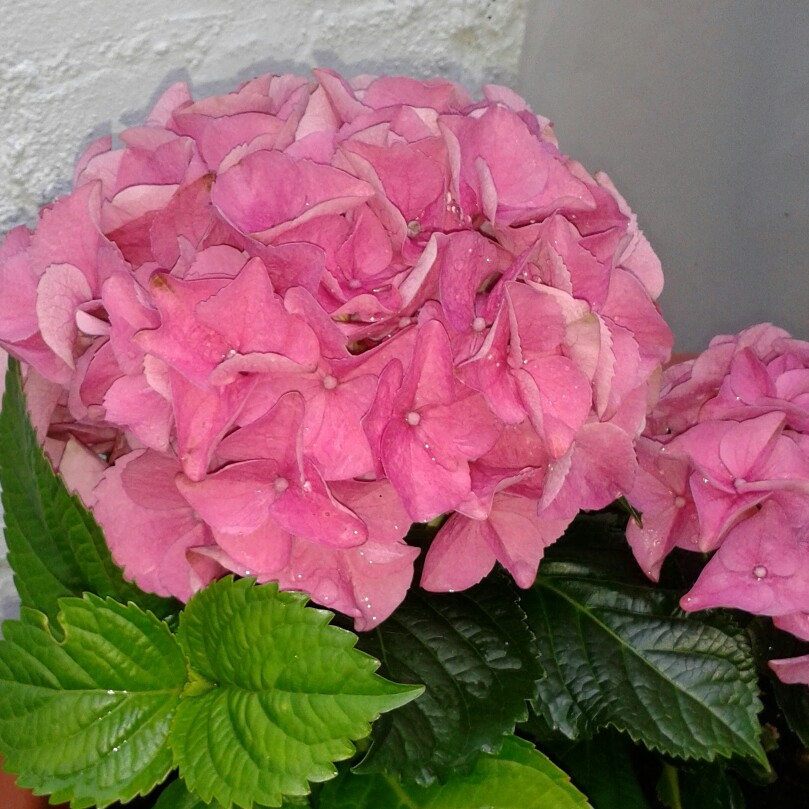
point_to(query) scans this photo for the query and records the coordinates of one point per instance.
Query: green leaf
(275, 694)
(479, 661)
(602, 768)
(710, 787)
(86, 717)
(55, 546)
(519, 777)
(177, 796)
(622, 654)
(793, 700)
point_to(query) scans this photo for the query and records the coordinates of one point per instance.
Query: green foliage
(620, 653)
(275, 694)
(709, 786)
(258, 696)
(479, 661)
(86, 717)
(518, 777)
(177, 796)
(55, 547)
(602, 768)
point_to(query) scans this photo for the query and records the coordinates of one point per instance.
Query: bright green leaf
(621, 654)
(85, 717)
(276, 694)
(479, 661)
(518, 777)
(55, 546)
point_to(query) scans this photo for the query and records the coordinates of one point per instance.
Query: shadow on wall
(700, 114)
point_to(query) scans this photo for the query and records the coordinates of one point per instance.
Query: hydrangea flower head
(277, 326)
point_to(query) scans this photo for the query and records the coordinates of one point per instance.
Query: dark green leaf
(621, 654)
(177, 796)
(793, 700)
(478, 659)
(276, 695)
(86, 717)
(710, 787)
(602, 768)
(518, 777)
(55, 547)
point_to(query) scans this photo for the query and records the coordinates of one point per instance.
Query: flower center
(412, 418)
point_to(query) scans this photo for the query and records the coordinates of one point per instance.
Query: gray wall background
(699, 111)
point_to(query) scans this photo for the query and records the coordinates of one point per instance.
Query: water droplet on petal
(412, 418)
(760, 572)
(329, 382)
(478, 324)
(281, 484)
(679, 501)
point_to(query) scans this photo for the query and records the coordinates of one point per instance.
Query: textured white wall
(74, 69)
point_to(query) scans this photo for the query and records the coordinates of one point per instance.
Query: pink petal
(459, 555)
(19, 284)
(299, 189)
(61, 290)
(150, 545)
(793, 670)
(132, 403)
(81, 469)
(427, 486)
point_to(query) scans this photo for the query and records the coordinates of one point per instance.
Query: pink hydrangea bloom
(724, 467)
(278, 325)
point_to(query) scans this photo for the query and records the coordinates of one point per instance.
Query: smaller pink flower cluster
(724, 467)
(278, 326)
